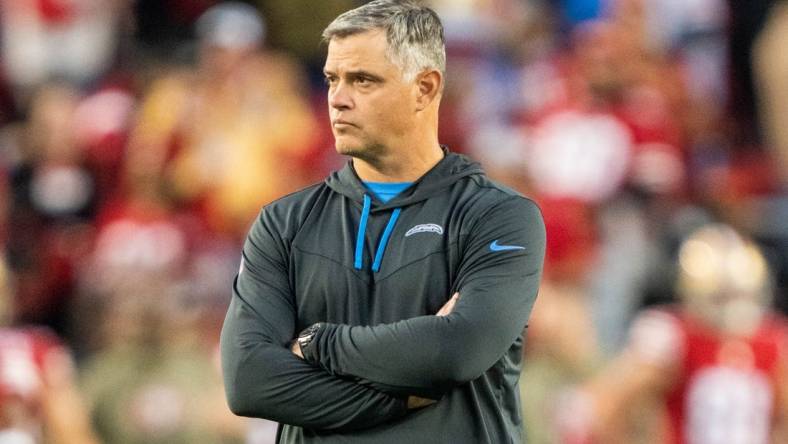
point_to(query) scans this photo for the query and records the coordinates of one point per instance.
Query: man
(716, 363)
(235, 116)
(39, 398)
(361, 264)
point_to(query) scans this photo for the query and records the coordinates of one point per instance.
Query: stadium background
(135, 151)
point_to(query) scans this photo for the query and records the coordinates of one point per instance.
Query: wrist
(307, 341)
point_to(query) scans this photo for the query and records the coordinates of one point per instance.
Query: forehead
(366, 50)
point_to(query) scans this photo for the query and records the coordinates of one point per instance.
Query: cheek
(393, 112)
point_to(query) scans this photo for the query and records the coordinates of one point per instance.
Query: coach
(387, 304)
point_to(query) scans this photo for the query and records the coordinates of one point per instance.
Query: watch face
(306, 336)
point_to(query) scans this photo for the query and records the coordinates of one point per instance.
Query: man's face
(370, 104)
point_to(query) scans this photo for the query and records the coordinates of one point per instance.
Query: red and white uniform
(25, 354)
(725, 389)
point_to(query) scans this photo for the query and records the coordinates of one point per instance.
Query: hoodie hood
(449, 170)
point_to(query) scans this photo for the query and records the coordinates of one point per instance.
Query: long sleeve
(498, 280)
(262, 377)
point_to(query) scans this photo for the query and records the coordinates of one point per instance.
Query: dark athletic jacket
(376, 274)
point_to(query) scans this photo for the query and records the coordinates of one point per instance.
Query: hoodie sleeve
(498, 281)
(262, 377)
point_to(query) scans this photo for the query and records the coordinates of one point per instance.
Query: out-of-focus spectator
(631, 122)
(140, 236)
(746, 22)
(74, 40)
(562, 347)
(602, 124)
(715, 363)
(101, 124)
(150, 293)
(156, 380)
(39, 400)
(53, 196)
(226, 137)
(771, 74)
(562, 351)
(602, 116)
(694, 32)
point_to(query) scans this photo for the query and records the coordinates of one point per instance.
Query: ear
(430, 86)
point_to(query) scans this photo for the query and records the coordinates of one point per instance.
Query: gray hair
(414, 33)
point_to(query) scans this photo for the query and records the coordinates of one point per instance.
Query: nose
(339, 97)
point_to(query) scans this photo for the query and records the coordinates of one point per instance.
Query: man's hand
(414, 402)
(295, 347)
(448, 306)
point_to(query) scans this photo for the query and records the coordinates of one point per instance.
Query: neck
(397, 166)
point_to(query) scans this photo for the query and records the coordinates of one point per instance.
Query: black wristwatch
(306, 336)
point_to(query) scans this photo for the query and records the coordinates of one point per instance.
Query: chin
(357, 147)
(348, 149)
(352, 148)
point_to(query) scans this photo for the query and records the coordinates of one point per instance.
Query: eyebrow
(356, 74)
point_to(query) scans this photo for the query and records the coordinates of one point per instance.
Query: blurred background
(139, 139)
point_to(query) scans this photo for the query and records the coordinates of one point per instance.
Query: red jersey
(726, 387)
(25, 355)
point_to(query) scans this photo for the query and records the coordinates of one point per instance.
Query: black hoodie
(374, 275)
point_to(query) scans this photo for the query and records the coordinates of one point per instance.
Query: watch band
(306, 337)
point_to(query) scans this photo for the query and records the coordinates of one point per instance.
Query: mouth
(342, 123)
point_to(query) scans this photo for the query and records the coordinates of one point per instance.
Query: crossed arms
(357, 377)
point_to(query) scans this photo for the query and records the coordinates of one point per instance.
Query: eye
(363, 81)
(329, 80)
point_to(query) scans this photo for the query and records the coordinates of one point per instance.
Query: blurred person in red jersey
(101, 123)
(151, 293)
(602, 116)
(715, 363)
(228, 136)
(139, 236)
(39, 400)
(52, 200)
(601, 131)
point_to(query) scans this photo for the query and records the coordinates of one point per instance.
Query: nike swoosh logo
(495, 247)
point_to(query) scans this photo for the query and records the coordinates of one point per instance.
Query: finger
(448, 306)
(295, 347)
(446, 309)
(415, 402)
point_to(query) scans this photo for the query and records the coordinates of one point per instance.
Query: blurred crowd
(139, 139)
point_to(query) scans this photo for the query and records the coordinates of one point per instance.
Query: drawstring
(385, 240)
(362, 229)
